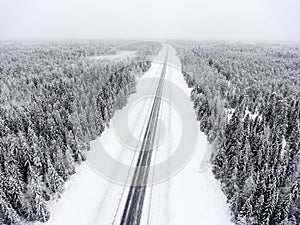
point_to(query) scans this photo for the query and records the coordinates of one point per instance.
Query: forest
(55, 99)
(247, 99)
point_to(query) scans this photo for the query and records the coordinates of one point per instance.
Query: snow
(229, 113)
(283, 147)
(252, 115)
(189, 195)
(77, 204)
(118, 56)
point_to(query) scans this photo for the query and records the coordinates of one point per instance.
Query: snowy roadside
(191, 196)
(86, 191)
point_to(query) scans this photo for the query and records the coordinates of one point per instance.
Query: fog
(251, 20)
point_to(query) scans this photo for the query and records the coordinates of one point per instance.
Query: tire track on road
(135, 200)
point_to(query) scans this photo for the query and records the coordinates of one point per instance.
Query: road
(145, 168)
(135, 200)
(148, 174)
(155, 122)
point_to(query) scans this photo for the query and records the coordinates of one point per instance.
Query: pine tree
(294, 155)
(8, 214)
(23, 153)
(69, 161)
(53, 180)
(245, 212)
(41, 212)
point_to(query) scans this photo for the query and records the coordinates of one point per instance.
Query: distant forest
(247, 99)
(55, 99)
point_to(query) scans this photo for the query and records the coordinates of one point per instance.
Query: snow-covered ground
(187, 194)
(118, 56)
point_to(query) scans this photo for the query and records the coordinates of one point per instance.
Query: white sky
(151, 19)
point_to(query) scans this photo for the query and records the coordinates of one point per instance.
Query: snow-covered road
(179, 191)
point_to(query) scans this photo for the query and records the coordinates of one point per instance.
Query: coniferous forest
(55, 98)
(247, 99)
(149, 112)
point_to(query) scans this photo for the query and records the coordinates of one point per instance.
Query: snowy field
(189, 195)
(120, 55)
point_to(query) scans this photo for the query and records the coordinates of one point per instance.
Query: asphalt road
(135, 199)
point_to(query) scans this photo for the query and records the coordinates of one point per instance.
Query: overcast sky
(151, 19)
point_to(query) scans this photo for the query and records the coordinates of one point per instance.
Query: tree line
(247, 99)
(54, 101)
